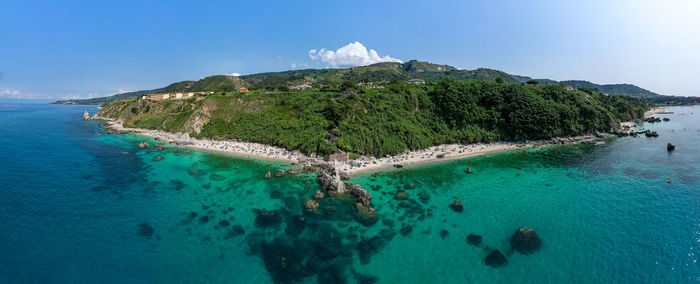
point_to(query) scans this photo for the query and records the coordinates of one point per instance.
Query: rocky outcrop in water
(457, 205)
(670, 147)
(279, 173)
(311, 205)
(86, 115)
(268, 175)
(525, 240)
(495, 259)
(143, 145)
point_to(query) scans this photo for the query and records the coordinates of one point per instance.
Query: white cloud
(299, 65)
(121, 91)
(7, 93)
(234, 74)
(353, 54)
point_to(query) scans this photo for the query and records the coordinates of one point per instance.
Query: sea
(78, 205)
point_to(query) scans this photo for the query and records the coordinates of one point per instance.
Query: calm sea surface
(80, 207)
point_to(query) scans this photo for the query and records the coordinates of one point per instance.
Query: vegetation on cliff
(385, 121)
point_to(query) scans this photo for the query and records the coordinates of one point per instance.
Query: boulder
(344, 175)
(670, 147)
(365, 214)
(143, 145)
(495, 259)
(468, 170)
(318, 195)
(330, 183)
(279, 173)
(525, 240)
(311, 204)
(158, 158)
(457, 205)
(398, 166)
(401, 195)
(474, 240)
(268, 175)
(295, 171)
(440, 156)
(666, 119)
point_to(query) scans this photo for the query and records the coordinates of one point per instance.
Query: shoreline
(362, 165)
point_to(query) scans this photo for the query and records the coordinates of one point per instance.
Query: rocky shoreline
(341, 162)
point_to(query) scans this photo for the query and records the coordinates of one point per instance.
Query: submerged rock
(158, 158)
(525, 240)
(468, 170)
(457, 205)
(267, 218)
(311, 204)
(365, 214)
(474, 240)
(444, 234)
(318, 195)
(279, 173)
(143, 145)
(295, 171)
(194, 172)
(495, 259)
(145, 230)
(216, 177)
(268, 175)
(401, 195)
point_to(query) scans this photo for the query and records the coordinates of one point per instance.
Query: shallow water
(76, 206)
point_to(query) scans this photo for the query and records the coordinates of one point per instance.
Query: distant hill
(104, 100)
(614, 89)
(387, 71)
(611, 89)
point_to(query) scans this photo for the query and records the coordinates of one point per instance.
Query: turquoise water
(77, 206)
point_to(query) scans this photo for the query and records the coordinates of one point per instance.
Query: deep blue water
(77, 206)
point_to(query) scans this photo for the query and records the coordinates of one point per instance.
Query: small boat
(668, 180)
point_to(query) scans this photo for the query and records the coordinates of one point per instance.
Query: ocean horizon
(79, 205)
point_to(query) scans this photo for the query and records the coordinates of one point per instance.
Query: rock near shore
(525, 240)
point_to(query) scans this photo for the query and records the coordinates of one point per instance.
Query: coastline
(434, 154)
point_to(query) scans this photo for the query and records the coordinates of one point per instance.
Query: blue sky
(70, 49)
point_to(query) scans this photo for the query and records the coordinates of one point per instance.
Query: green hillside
(380, 72)
(385, 121)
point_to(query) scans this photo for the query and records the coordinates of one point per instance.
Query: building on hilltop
(166, 96)
(568, 88)
(300, 87)
(416, 81)
(243, 90)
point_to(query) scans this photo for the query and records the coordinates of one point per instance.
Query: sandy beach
(362, 165)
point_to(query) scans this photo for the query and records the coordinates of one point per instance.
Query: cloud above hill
(353, 54)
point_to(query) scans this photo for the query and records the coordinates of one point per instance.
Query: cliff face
(186, 116)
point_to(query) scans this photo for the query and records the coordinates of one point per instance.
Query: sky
(81, 49)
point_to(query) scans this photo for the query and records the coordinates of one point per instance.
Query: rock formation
(86, 115)
(268, 175)
(457, 205)
(525, 240)
(495, 259)
(143, 145)
(318, 195)
(279, 173)
(670, 147)
(311, 204)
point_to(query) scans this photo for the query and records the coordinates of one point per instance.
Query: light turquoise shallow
(71, 203)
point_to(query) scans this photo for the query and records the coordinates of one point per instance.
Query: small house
(416, 81)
